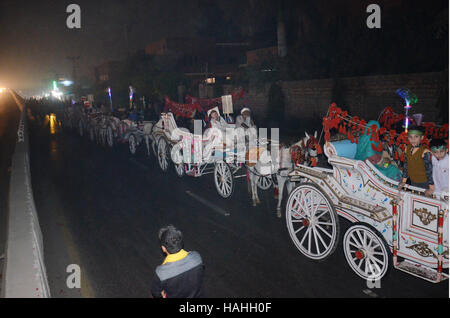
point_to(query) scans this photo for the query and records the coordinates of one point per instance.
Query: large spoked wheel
(163, 154)
(223, 179)
(80, 128)
(312, 221)
(110, 137)
(274, 179)
(132, 144)
(264, 183)
(366, 252)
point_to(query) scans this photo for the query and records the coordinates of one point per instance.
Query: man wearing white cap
(245, 126)
(244, 120)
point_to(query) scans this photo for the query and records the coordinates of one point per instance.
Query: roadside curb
(24, 270)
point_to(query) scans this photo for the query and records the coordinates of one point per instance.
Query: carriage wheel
(264, 183)
(274, 179)
(132, 145)
(223, 179)
(110, 136)
(163, 154)
(80, 128)
(179, 169)
(366, 252)
(102, 133)
(312, 221)
(154, 146)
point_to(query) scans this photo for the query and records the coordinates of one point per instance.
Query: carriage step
(421, 271)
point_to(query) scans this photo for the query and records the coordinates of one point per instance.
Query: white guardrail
(24, 270)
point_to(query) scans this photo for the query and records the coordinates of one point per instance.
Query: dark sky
(35, 40)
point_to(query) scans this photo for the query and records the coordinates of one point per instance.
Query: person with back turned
(181, 273)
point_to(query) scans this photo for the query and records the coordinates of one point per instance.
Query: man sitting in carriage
(366, 150)
(244, 120)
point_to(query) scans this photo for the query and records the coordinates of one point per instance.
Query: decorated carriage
(109, 130)
(218, 154)
(389, 227)
(215, 152)
(160, 138)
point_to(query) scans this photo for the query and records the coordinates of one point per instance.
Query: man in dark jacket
(181, 273)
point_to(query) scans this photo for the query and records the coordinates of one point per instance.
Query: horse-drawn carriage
(217, 153)
(389, 227)
(159, 137)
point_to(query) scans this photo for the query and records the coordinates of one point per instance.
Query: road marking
(208, 204)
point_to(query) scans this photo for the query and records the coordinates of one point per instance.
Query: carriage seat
(168, 121)
(343, 148)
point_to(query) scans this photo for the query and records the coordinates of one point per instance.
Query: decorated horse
(259, 165)
(304, 152)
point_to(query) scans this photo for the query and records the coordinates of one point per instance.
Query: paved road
(9, 120)
(101, 209)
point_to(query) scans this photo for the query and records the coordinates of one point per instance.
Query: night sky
(35, 41)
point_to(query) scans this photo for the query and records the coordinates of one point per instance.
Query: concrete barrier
(24, 271)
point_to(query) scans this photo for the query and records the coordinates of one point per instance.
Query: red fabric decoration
(183, 110)
(349, 126)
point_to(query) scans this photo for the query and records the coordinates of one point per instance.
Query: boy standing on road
(181, 273)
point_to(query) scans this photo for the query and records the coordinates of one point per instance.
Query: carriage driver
(244, 121)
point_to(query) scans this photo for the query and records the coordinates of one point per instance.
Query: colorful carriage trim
(353, 127)
(386, 224)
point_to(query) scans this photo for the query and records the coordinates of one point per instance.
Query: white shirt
(219, 123)
(240, 120)
(440, 174)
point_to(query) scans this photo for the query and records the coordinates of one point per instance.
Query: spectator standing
(181, 273)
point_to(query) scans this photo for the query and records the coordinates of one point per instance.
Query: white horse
(303, 152)
(259, 164)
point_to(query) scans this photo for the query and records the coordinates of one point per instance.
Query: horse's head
(312, 147)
